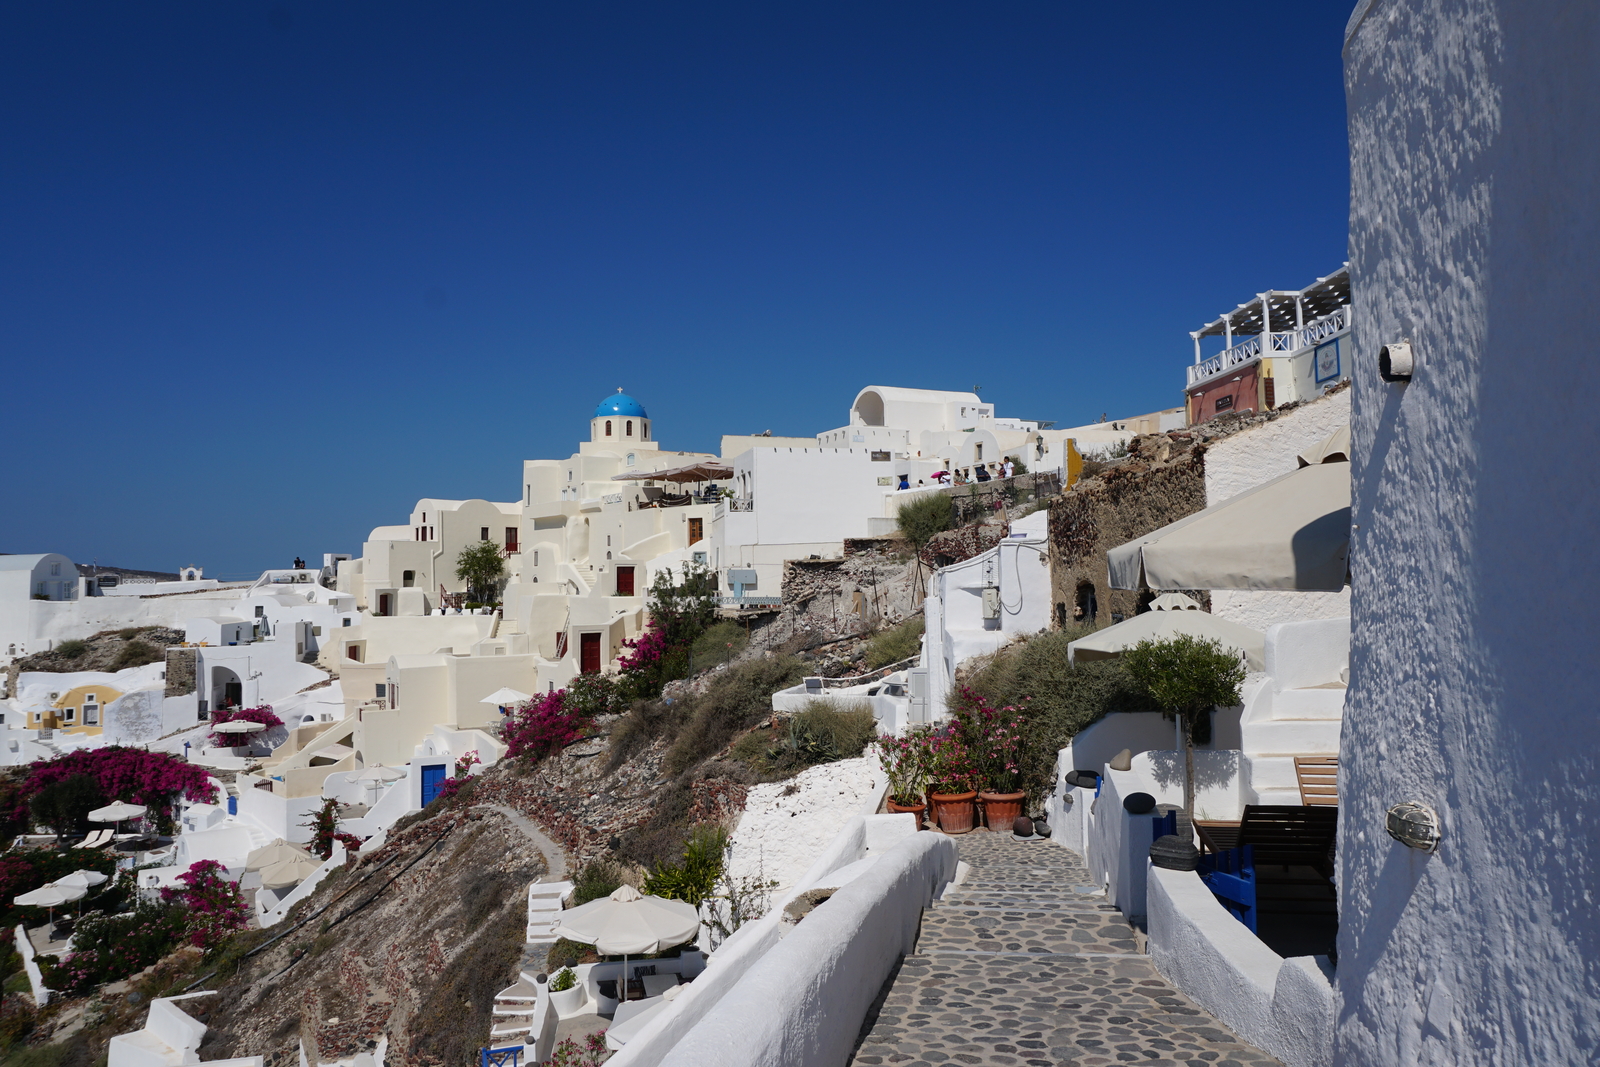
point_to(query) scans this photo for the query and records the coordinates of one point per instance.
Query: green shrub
(563, 980)
(137, 654)
(595, 880)
(819, 734)
(566, 953)
(893, 645)
(646, 721)
(133, 631)
(1017, 464)
(925, 516)
(736, 700)
(72, 649)
(694, 878)
(721, 642)
(1058, 699)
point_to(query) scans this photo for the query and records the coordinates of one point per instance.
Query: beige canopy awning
(1161, 625)
(704, 471)
(1293, 533)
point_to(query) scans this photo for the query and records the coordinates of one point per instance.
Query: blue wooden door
(432, 780)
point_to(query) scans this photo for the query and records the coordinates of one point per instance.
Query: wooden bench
(1319, 779)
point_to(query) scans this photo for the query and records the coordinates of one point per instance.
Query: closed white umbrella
(628, 923)
(1161, 625)
(238, 726)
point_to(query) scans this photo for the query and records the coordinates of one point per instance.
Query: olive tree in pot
(1186, 677)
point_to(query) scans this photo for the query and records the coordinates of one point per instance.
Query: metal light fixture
(1414, 824)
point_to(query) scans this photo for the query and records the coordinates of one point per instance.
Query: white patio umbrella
(378, 775)
(1160, 625)
(289, 871)
(118, 813)
(238, 726)
(277, 852)
(51, 897)
(87, 879)
(628, 923)
(1174, 602)
(1293, 533)
(504, 696)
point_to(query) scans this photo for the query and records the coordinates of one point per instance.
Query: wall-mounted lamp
(1413, 824)
(1395, 362)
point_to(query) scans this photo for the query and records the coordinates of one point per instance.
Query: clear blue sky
(271, 272)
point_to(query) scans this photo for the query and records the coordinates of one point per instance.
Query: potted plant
(903, 760)
(1002, 794)
(950, 783)
(566, 995)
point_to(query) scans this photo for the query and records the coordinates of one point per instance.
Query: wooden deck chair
(1319, 779)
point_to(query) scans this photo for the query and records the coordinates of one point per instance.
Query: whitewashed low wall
(803, 1003)
(859, 838)
(1284, 1007)
(24, 947)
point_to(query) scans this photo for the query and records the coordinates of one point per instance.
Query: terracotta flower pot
(1000, 810)
(918, 810)
(955, 812)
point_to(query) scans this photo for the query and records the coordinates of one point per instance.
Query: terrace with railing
(1275, 323)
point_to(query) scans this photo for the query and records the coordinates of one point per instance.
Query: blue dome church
(619, 419)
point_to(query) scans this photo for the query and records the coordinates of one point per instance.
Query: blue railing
(510, 1056)
(1231, 877)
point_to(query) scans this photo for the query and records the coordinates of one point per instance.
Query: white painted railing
(1250, 349)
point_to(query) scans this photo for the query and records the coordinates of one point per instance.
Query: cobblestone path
(1027, 964)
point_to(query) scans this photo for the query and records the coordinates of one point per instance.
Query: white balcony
(1275, 323)
(1283, 342)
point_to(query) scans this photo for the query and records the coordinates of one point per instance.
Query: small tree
(1186, 676)
(64, 806)
(481, 566)
(925, 516)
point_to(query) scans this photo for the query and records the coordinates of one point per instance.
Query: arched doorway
(227, 691)
(1087, 605)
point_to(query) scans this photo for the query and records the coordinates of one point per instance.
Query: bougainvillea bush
(110, 947)
(211, 905)
(325, 831)
(543, 726)
(153, 779)
(263, 715)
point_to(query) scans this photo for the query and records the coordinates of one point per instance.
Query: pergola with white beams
(1277, 321)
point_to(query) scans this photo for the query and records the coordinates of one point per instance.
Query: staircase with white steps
(544, 906)
(1297, 709)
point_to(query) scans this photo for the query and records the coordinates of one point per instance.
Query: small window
(630, 427)
(380, 690)
(408, 578)
(347, 622)
(608, 427)
(55, 570)
(316, 631)
(977, 451)
(483, 534)
(261, 611)
(69, 714)
(630, 459)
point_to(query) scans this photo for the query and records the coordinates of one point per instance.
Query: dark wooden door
(589, 653)
(383, 603)
(697, 530)
(624, 581)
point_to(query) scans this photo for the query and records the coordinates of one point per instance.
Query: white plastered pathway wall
(780, 835)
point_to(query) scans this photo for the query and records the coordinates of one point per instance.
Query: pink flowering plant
(210, 903)
(543, 726)
(262, 715)
(905, 763)
(325, 831)
(107, 948)
(592, 1053)
(153, 779)
(996, 738)
(951, 766)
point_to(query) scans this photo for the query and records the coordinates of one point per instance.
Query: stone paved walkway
(1027, 964)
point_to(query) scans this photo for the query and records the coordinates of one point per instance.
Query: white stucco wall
(1475, 233)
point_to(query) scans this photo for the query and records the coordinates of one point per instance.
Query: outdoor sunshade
(289, 872)
(51, 896)
(117, 812)
(277, 852)
(1160, 625)
(629, 924)
(505, 696)
(83, 879)
(238, 726)
(1293, 533)
(708, 471)
(380, 775)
